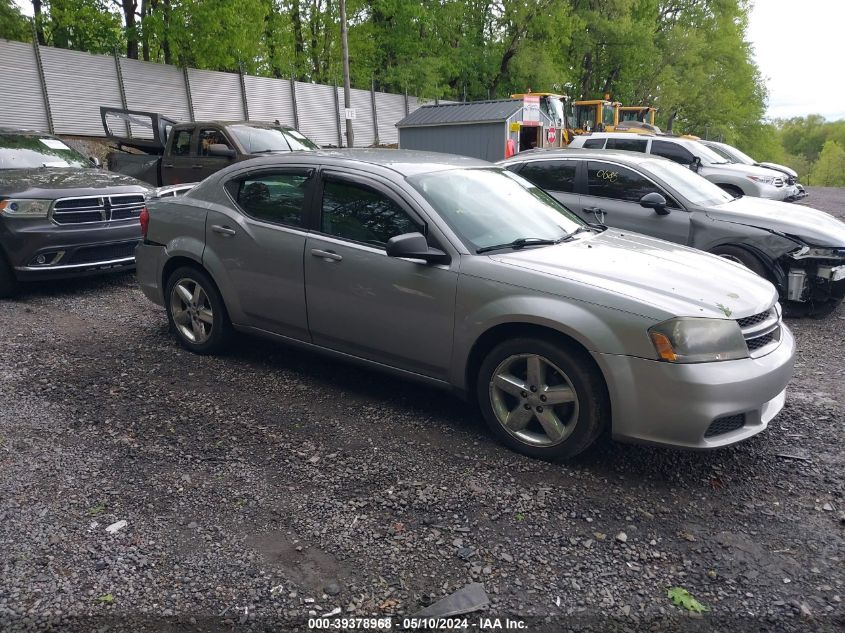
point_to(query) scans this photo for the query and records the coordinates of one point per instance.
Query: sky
(798, 46)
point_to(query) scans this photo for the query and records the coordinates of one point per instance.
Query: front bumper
(40, 249)
(770, 192)
(680, 405)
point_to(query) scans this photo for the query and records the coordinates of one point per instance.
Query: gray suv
(60, 216)
(800, 250)
(462, 275)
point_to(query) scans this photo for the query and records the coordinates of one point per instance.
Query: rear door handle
(223, 230)
(327, 255)
(196, 166)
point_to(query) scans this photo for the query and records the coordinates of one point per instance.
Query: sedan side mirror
(94, 161)
(654, 201)
(415, 246)
(220, 149)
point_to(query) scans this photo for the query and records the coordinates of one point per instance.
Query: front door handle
(196, 166)
(225, 231)
(327, 255)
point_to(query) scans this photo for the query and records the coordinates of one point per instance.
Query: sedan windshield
(262, 140)
(694, 188)
(707, 155)
(24, 151)
(488, 207)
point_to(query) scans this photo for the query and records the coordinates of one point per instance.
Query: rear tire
(195, 311)
(742, 256)
(541, 398)
(8, 282)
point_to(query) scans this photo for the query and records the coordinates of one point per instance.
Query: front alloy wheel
(542, 397)
(534, 400)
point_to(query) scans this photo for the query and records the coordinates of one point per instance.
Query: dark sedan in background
(800, 250)
(61, 216)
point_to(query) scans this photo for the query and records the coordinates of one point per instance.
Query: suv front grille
(724, 425)
(761, 331)
(92, 209)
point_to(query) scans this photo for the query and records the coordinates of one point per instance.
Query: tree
(82, 25)
(13, 24)
(829, 170)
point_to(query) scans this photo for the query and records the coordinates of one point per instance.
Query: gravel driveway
(269, 484)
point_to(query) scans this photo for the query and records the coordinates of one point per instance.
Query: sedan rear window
(551, 175)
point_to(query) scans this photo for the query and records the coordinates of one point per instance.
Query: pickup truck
(161, 151)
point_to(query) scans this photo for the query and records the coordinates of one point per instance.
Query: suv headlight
(20, 208)
(698, 340)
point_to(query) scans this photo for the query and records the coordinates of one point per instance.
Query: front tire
(742, 256)
(195, 311)
(541, 398)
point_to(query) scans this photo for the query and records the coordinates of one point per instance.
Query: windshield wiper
(268, 151)
(522, 242)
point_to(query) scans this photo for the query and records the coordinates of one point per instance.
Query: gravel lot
(269, 484)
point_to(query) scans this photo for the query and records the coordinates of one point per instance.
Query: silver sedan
(463, 275)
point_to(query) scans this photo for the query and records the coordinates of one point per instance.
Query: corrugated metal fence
(61, 91)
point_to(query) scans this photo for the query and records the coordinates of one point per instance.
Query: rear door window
(551, 175)
(275, 197)
(672, 151)
(628, 144)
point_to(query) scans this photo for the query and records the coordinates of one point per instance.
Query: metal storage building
(480, 129)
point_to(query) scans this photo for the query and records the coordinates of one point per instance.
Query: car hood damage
(676, 280)
(812, 226)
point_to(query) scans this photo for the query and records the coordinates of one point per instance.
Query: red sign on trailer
(551, 135)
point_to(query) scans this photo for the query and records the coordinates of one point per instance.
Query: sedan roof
(547, 154)
(402, 161)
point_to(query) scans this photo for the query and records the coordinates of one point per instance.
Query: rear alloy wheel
(542, 400)
(195, 311)
(8, 283)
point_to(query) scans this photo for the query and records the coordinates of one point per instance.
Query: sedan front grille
(91, 209)
(761, 331)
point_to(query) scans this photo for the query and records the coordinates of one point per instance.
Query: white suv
(736, 179)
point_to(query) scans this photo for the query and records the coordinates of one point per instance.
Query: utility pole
(347, 98)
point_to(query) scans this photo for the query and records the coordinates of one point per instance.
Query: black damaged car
(60, 215)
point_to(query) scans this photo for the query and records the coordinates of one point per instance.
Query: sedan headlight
(21, 208)
(698, 340)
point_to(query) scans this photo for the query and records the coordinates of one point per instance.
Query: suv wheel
(541, 399)
(8, 283)
(195, 311)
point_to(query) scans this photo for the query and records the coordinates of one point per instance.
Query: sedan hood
(810, 225)
(652, 274)
(50, 183)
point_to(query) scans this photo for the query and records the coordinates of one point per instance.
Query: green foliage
(106, 599)
(829, 170)
(683, 598)
(82, 25)
(13, 24)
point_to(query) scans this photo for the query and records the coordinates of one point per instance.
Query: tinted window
(627, 144)
(671, 151)
(182, 143)
(277, 198)
(551, 175)
(361, 214)
(594, 143)
(210, 137)
(612, 181)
